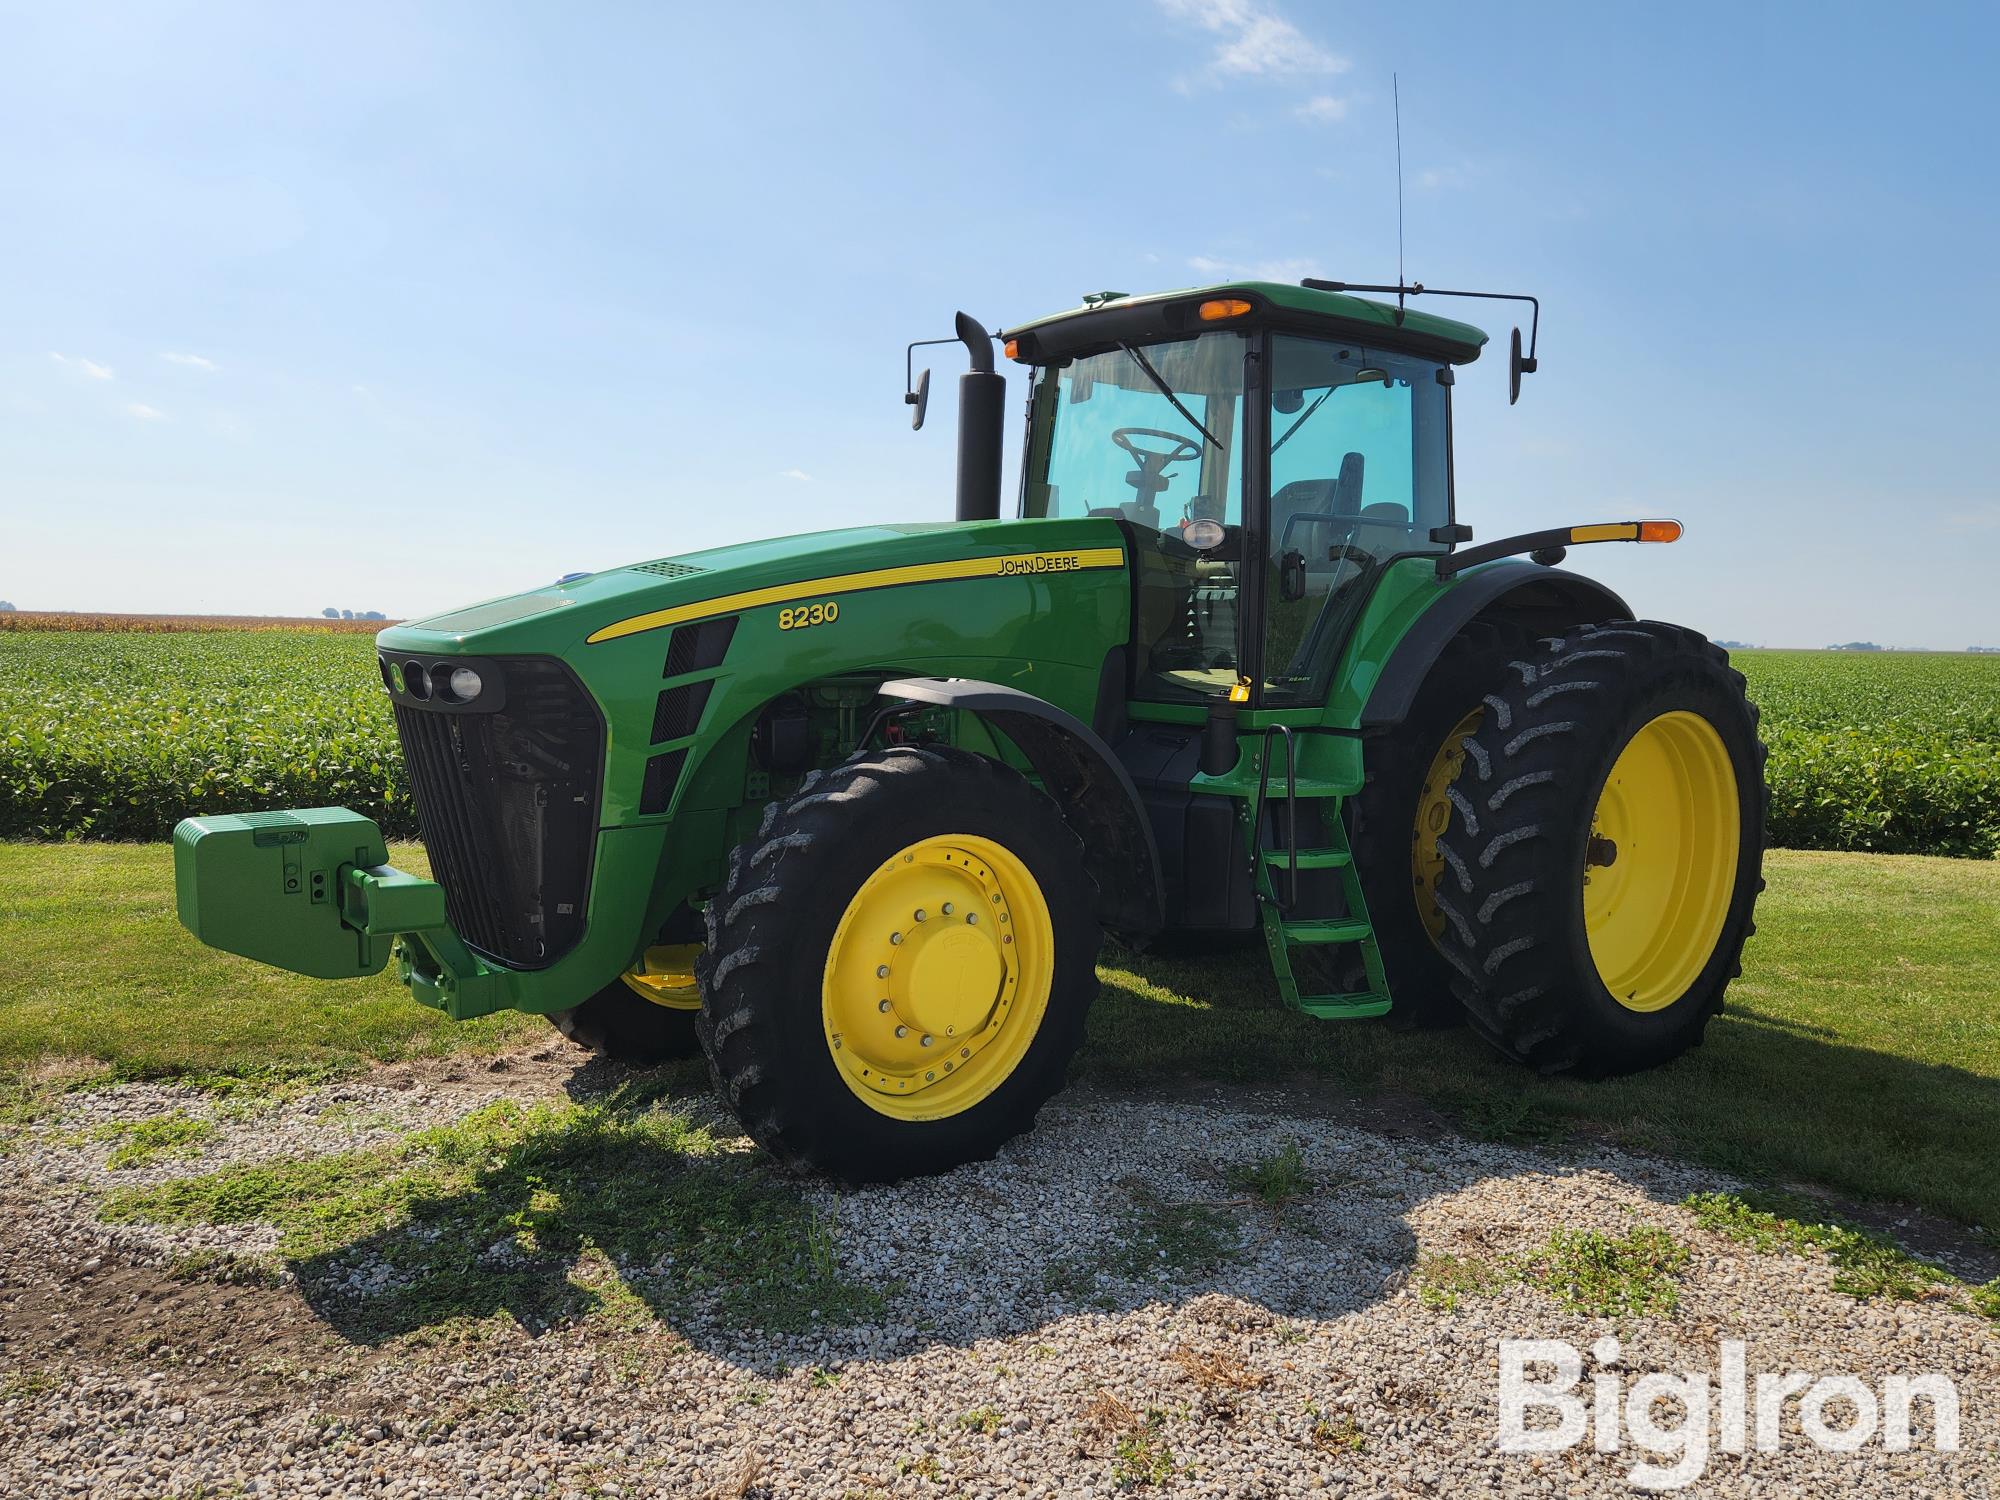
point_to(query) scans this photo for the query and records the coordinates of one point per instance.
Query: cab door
(1359, 474)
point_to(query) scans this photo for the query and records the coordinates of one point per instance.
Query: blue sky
(393, 307)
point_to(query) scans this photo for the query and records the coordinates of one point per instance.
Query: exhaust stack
(982, 417)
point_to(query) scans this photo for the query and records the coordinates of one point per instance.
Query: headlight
(465, 684)
(415, 682)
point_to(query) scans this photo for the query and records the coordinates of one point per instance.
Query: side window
(1357, 437)
(1358, 476)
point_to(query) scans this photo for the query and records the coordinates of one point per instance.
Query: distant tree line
(348, 614)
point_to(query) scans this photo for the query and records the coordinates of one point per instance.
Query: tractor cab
(1269, 448)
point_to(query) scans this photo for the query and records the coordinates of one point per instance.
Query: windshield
(1153, 435)
(1149, 434)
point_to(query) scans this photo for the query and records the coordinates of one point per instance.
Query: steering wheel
(1180, 446)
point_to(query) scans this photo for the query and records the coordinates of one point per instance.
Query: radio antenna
(1396, 95)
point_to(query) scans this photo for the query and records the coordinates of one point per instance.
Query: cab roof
(1105, 321)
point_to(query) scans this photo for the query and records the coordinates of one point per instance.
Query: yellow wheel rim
(1660, 867)
(1433, 817)
(665, 976)
(938, 977)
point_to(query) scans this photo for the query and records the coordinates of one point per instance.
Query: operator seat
(1339, 497)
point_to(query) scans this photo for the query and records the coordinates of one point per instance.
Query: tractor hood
(652, 595)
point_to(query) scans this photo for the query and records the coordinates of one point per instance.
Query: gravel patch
(1104, 1309)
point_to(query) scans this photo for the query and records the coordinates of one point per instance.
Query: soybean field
(119, 735)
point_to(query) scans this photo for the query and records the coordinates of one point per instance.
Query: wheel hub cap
(938, 976)
(1660, 861)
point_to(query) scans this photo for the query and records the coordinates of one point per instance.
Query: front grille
(507, 803)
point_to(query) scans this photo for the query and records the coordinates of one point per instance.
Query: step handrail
(1291, 813)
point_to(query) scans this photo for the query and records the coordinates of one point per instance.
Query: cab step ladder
(1287, 927)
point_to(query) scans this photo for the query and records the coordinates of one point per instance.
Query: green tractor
(851, 813)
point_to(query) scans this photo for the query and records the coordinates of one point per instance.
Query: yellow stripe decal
(1013, 564)
(1610, 531)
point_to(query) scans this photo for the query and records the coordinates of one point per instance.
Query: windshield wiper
(1302, 418)
(1168, 391)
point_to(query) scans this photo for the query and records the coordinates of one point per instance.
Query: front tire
(899, 966)
(1606, 849)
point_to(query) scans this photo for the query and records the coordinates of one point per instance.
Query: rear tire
(1633, 733)
(1402, 805)
(850, 1034)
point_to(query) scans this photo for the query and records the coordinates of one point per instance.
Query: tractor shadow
(1288, 1190)
(624, 1216)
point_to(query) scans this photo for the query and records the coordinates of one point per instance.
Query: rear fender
(1546, 600)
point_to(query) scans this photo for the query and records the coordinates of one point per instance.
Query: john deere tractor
(852, 813)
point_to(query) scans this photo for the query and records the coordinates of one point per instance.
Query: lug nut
(922, 915)
(883, 1007)
(928, 1039)
(972, 919)
(902, 1031)
(947, 908)
(894, 938)
(881, 971)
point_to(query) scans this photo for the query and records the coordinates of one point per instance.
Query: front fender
(1087, 781)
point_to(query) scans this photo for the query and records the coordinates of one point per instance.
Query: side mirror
(920, 398)
(1518, 365)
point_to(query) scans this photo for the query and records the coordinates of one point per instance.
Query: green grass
(99, 970)
(156, 1138)
(548, 1213)
(1141, 1458)
(1609, 1276)
(1861, 1051)
(1275, 1180)
(1865, 1264)
(1600, 1275)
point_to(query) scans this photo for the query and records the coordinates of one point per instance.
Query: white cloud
(146, 413)
(89, 367)
(799, 474)
(1254, 41)
(1322, 109)
(192, 361)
